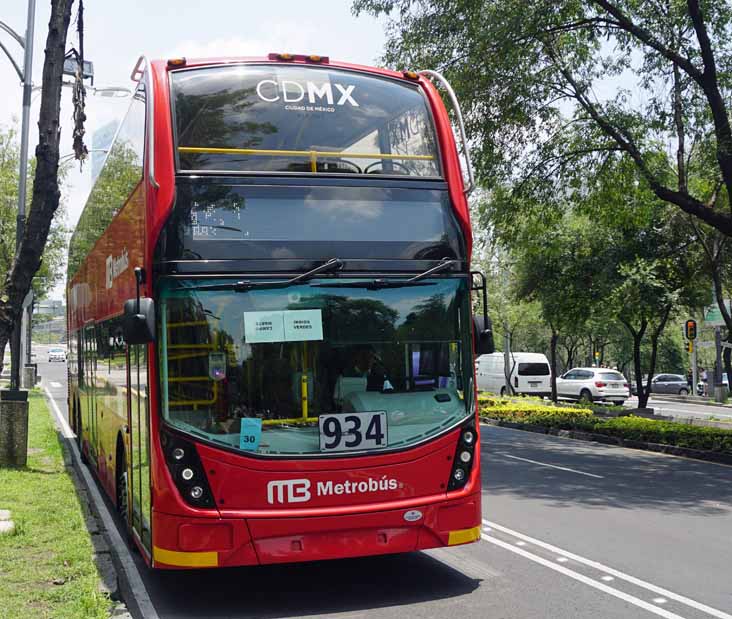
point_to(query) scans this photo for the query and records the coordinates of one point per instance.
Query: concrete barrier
(28, 380)
(13, 428)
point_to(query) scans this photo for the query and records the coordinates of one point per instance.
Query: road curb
(671, 450)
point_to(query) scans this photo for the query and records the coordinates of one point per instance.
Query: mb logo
(288, 491)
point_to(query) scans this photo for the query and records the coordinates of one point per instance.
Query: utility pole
(719, 393)
(27, 80)
(694, 369)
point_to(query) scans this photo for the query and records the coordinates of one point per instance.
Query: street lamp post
(27, 79)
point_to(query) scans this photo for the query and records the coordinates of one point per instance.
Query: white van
(530, 373)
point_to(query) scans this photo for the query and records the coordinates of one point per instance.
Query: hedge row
(628, 428)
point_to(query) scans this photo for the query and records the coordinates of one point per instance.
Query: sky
(114, 38)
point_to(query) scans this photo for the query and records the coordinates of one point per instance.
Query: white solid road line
(553, 466)
(608, 570)
(142, 598)
(55, 385)
(584, 579)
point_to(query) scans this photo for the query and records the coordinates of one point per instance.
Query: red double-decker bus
(269, 313)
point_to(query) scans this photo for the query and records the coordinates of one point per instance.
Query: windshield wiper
(246, 285)
(377, 284)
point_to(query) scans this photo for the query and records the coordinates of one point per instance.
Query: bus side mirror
(483, 336)
(138, 323)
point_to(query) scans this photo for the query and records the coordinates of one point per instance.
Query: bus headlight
(186, 470)
(464, 456)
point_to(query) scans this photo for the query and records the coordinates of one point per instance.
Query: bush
(534, 413)
(667, 433)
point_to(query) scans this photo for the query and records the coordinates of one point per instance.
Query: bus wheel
(121, 484)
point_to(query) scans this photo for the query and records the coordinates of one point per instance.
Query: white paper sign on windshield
(303, 325)
(260, 327)
(283, 326)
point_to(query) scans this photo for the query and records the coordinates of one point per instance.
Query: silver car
(670, 383)
(56, 354)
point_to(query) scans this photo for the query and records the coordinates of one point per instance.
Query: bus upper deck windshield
(300, 119)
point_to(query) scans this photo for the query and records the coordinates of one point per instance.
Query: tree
(556, 269)
(606, 251)
(50, 271)
(46, 195)
(625, 76)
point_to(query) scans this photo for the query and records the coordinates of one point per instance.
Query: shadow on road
(631, 479)
(308, 589)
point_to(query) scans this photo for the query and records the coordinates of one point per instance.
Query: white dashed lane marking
(552, 466)
(608, 573)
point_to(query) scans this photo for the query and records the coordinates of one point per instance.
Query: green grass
(46, 565)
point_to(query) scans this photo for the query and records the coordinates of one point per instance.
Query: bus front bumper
(185, 543)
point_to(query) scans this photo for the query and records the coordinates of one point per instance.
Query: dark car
(666, 383)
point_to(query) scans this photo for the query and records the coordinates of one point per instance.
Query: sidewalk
(50, 563)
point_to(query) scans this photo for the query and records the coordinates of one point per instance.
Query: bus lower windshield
(254, 371)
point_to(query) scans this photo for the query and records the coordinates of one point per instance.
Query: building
(101, 141)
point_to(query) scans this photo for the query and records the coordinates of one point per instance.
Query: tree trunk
(654, 353)
(46, 194)
(637, 371)
(553, 352)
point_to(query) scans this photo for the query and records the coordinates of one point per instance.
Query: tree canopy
(552, 87)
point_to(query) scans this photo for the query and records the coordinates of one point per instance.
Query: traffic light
(690, 345)
(690, 329)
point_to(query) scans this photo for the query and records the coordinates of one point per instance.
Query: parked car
(591, 384)
(529, 373)
(710, 384)
(56, 354)
(675, 384)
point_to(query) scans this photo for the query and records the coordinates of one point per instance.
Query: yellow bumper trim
(186, 559)
(463, 536)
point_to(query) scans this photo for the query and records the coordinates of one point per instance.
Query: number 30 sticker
(250, 433)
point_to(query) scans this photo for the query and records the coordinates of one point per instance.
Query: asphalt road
(572, 529)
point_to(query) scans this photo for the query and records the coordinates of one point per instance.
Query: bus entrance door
(90, 370)
(139, 448)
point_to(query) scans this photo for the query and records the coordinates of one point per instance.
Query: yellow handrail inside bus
(311, 154)
(188, 355)
(295, 421)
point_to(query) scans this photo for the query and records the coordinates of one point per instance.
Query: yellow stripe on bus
(463, 536)
(186, 559)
